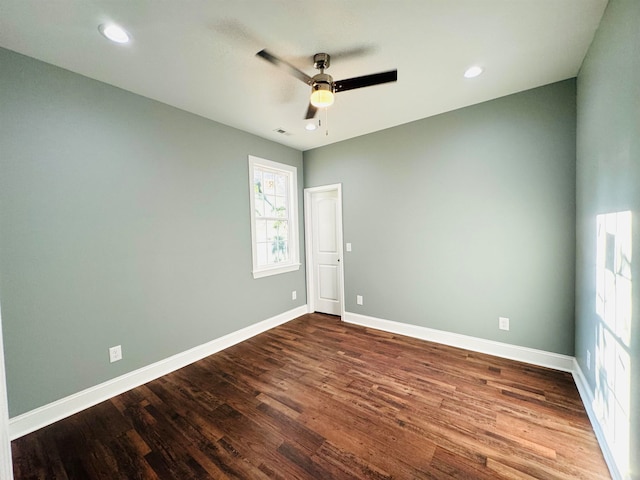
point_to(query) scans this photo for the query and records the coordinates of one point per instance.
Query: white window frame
(294, 249)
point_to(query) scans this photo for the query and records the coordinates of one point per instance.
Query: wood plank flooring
(320, 399)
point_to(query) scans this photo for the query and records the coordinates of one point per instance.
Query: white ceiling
(199, 55)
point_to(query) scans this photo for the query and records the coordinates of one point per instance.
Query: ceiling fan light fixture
(321, 96)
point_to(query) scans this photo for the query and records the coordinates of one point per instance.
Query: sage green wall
(608, 180)
(461, 218)
(122, 221)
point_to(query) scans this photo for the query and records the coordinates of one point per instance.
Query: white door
(324, 234)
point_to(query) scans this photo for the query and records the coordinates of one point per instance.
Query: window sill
(266, 272)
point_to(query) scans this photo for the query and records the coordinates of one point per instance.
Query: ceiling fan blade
(354, 52)
(346, 54)
(278, 62)
(365, 81)
(311, 112)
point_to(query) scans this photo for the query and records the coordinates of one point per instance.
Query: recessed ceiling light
(310, 126)
(473, 72)
(114, 33)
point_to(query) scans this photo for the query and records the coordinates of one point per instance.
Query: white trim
(48, 414)
(293, 263)
(587, 399)
(512, 352)
(308, 243)
(308, 252)
(6, 464)
(265, 272)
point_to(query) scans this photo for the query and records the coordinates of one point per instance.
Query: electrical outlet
(294, 295)
(359, 300)
(588, 360)
(503, 323)
(348, 247)
(115, 353)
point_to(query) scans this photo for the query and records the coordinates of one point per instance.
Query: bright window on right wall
(614, 287)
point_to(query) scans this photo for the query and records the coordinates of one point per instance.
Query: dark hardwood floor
(319, 399)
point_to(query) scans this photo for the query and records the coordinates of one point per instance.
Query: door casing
(308, 230)
(6, 464)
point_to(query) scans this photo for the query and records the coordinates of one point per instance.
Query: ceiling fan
(322, 85)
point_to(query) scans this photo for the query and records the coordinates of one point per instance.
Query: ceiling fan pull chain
(326, 122)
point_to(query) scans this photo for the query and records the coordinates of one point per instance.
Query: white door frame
(6, 464)
(308, 228)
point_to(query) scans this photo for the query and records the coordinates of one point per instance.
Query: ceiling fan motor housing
(322, 81)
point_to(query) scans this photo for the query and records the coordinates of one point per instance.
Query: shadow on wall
(613, 332)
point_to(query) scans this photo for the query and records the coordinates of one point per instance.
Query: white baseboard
(504, 350)
(587, 399)
(65, 407)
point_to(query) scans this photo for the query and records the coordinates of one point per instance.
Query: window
(274, 217)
